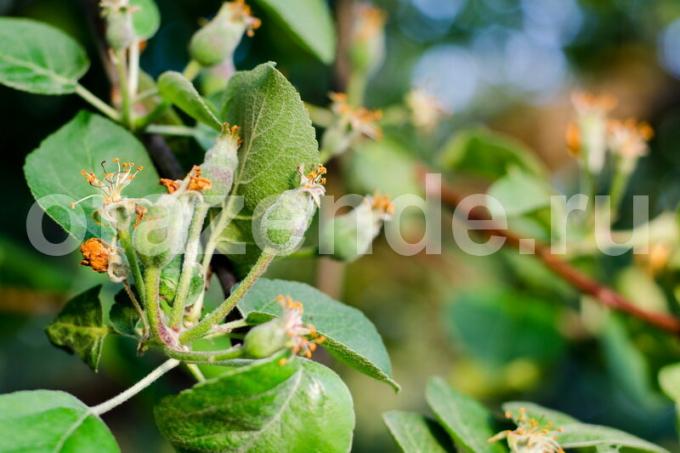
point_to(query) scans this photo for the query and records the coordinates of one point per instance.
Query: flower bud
(265, 340)
(587, 139)
(280, 225)
(120, 33)
(216, 41)
(349, 236)
(351, 126)
(220, 165)
(367, 50)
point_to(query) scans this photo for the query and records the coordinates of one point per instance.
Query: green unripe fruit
(265, 340)
(120, 33)
(216, 41)
(220, 165)
(162, 232)
(282, 225)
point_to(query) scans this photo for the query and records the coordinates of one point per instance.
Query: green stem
(195, 371)
(190, 254)
(135, 389)
(125, 107)
(137, 306)
(226, 328)
(126, 242)
(215, 231)
(617, 190)
(162, 129)
(217, 315)
(97, 103)
(205, 356)
(304, 252)
(153, 309)
(133, 72)
(191, 70)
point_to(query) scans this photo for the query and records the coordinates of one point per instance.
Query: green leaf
(51, 421)
(518, 193)
(79, 327)
(309, 22)
(146, 19)
(177, 90)
(415, 433)
(669, 380)
(573, 434)
(383, 167)
(277, 137)
(38, 58)
(488, 154)
(123, 317)
(350, 336)
(469, 423)
(53, 170)
(264, 406)
(530, 322)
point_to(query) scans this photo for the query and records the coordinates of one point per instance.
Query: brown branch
(577, 279)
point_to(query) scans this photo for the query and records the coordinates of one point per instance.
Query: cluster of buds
(426, 110)
(120, 33)
(530, 436)
(367, 47)
(214, 44)
(349, 236)
(351, 125)
(287, 331)
(279, 225)
(594, 133)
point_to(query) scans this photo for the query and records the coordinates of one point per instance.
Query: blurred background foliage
(498, 327)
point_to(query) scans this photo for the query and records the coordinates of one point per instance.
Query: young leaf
(123, 317)
(488, 154)
(277, 137)
(350, 336)
(309, 22)
(53, 170)
(518, 193)
(415, 433)
(46, 420)
(79, 327)
(467, 422)
(39, 58)
(264, 406)
(570, 433)
(177, 90)
(669, 380)
(145, 19)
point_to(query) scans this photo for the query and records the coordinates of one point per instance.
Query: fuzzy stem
(138, 307)
(223, 310)
(97, 103)
(205, 356)
(191, 70)
(135, 389)
(152, 280)
(163, 129)
(133, 70)
(121, 67)
(195, 371)
(227, 327)
(126, 241)
(190, 254)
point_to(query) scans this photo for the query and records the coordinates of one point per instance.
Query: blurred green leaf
(381, 167)
(177, 90)
(277, 137)
(47, 420)
(518, 193)
(264, 406)
(53, 170)
(39, 58)
(309, 22)
(488, 154)
(79, 328)
(669, 380)
(350, 336)
(145, 19)
(469, 423)
(415, 433)
(530, 323)
(123, 318)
